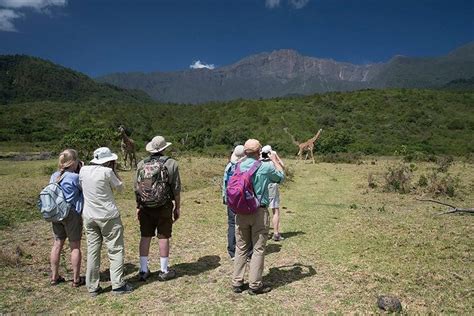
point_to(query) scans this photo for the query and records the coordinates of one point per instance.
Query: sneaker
(261, 290)
(238, 289)
(96, 292)
(277, 237)
(162, 276)
(124, 289)
(142, 276)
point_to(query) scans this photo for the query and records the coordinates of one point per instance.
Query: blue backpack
(52, 203)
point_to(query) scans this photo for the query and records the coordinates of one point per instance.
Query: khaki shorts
(157, 221)
(70, 227)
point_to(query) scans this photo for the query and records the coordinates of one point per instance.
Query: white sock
(164, 264)
(144, 264)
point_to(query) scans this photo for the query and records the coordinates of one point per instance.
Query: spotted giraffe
(306, 147)
(128, 148)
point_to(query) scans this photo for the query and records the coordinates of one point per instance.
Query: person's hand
(176, 214)
(138, 213)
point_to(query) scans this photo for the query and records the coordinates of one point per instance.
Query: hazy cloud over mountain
(199, 65)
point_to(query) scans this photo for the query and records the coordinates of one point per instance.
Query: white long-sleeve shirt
(97, 183)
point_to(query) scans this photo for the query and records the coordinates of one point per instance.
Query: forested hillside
(25, 78)
(368, 121)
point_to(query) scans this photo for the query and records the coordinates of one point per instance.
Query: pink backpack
(241, 197)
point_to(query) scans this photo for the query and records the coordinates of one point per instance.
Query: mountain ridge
(283, 72)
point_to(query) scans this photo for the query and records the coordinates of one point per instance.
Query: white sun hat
(157, 144)
(103, 155)
(237, 154)
(267, 149)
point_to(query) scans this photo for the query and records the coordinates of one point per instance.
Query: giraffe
(128, 148)
(306, 147)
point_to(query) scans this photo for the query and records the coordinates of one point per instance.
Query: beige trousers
(111, 232)
(250, 229)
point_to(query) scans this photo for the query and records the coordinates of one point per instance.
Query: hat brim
(104, 160)
(234, 158)
(150, 149)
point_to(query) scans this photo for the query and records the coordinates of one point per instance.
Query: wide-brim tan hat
(103, 155)
(157, 144)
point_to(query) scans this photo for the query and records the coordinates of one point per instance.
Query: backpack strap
(237, 167)
(163, 159)
(61, 178)
(254, 167)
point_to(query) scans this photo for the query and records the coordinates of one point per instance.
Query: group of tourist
(157, 185)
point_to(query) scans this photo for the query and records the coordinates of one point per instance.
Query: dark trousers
(230, 233)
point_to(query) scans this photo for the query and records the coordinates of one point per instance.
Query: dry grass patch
(345, 245)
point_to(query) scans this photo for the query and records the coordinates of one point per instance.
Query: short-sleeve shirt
(71, 188)
(265, 174)
(97, 183)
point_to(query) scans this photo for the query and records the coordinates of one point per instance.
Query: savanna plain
(345, 244)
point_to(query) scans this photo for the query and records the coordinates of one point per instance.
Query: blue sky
(103, 36)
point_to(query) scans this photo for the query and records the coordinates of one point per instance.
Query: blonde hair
(66, 159)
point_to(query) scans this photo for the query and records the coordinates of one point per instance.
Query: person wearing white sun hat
(273, 194)
(102, 220)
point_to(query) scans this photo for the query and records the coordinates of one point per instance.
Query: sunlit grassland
(345, 245)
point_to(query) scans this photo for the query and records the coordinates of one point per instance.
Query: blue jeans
(230, 232)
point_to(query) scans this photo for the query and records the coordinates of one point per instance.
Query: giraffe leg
(312, 156)
(125, 157)
(134, 160)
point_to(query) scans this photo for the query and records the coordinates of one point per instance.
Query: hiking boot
(142, 276)
(261, 290)
(238, 289)
(96, 292)
(165, 276)
(277, 237)
(124, 289)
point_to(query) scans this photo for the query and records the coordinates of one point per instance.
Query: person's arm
(177, 207)
(176, 188)
(278, 158)
(115, 181)
(277, 175)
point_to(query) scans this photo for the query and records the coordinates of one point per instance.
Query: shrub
(442, 184)
(86, 140)
(423, 181)
(398, 179)
(443, 163)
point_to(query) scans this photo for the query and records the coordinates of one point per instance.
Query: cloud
(272, 3)
(198, 65)
(297, 4)
(6, 18)
(35, 4)
(11, 9)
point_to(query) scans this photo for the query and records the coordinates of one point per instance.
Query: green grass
(345, 245)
